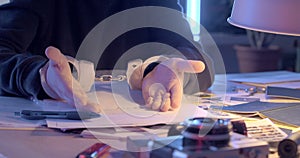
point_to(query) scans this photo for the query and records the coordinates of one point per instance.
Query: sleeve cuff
(136, 69)
(49, 91)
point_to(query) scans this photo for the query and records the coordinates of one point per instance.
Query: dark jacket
(27, 27)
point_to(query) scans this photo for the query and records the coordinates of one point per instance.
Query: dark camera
(207, 137)
(206, 132)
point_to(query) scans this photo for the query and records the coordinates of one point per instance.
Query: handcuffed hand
(62, 83)
(162, 88)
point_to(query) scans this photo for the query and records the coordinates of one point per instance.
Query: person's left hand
(162, 88)
(60, 79)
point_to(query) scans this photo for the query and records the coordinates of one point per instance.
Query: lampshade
(272, 16)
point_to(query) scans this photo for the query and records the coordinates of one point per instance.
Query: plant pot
(257, 60)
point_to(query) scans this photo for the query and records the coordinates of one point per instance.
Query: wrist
(134, 73)
(150, 68)
(137, 70)
(43, 76)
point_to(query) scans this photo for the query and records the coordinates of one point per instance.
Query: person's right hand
(60, 79)
(162, 88)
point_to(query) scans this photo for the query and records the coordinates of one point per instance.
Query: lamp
(271, 16)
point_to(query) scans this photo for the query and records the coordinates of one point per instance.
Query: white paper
(292, 85)
(124, 132)
(265, 130)
(128, 118)
(10, 105)
(122, 107)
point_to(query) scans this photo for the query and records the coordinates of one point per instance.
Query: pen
(71, 115)
(95, 151)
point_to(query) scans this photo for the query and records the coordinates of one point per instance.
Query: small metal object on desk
(250, 90)
(71, 115)
(108, 78)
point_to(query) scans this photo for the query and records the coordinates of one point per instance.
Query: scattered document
(282, 113)
(124, 132)
(128, 118)
(265, 130)
(265, 78)
(280, 84)
(10, 105)
(124, 108)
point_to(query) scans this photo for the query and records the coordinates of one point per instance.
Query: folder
(280, 113)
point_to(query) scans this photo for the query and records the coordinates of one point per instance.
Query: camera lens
(206, 132)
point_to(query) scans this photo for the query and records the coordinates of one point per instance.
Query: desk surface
(47, 143)
(43, 142)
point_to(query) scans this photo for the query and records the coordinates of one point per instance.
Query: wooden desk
(29, 140)
(46, 143)
(43, 142)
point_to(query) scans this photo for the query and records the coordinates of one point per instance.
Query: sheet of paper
(10, 105)
(122, 107)
(265, 130)
(124, 132)
(131, 117)
(293, 85)
(265, 77)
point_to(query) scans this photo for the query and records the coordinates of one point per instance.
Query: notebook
(284, 84)
(283, 92)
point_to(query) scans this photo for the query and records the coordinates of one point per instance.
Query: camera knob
(206, 132)
(252, 153)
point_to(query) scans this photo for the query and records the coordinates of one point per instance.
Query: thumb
(190, 66)
(55, 56)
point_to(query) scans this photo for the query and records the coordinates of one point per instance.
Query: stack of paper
(122, 107)
(277, 83)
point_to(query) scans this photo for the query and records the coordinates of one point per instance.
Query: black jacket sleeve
(19, 74)
(181, 38)
(27, 27)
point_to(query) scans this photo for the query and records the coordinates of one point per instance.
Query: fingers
(91, 106)
(190, 66)
(157, 98)
(166, 103)
(176, 96)
(153, 95)
(161, 102)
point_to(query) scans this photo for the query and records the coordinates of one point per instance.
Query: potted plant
(259, 55)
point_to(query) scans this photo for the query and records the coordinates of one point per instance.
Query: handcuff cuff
(86, 76)
(108, 78)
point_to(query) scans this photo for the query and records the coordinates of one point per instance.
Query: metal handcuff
(109, 78)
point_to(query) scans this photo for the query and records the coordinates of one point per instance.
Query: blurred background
(213, 14)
